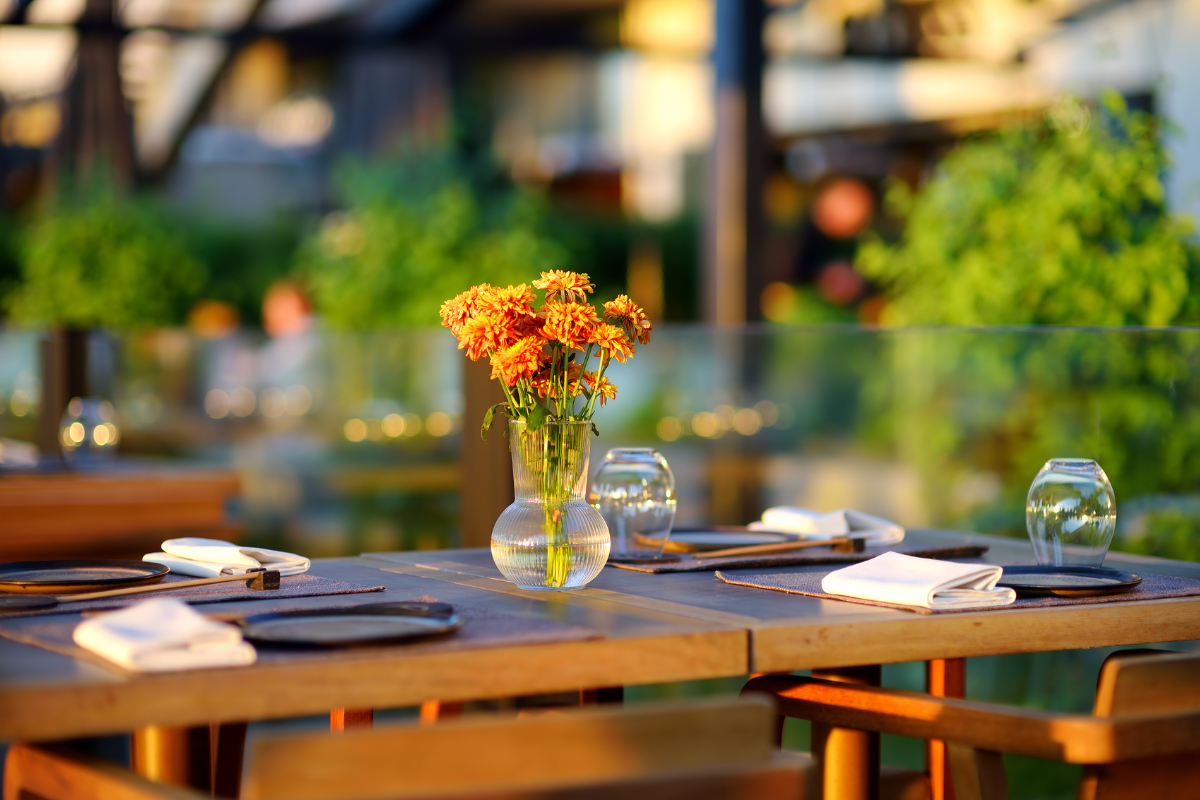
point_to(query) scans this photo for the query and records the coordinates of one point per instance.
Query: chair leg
(847, 760)
(943, 678)
(343, 719)
(978, 774)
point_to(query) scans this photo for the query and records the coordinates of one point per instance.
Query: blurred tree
(1061, 222)
(417, 230)
(97, 258)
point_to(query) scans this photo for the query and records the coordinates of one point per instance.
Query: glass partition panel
(347, 443)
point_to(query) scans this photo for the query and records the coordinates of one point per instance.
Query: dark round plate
(1066, 581)
(340, 627)
(64, 576)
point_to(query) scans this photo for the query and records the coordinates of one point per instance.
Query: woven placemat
(481, 628)
(1152, 587)
(290, 586)
(802, 557)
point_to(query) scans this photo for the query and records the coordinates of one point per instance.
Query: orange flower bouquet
(550, 538)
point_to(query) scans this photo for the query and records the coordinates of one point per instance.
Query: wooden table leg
(847, 760)
(434, 710)
(343, 719)
(174, 756)
(206, 757)
(943, 678)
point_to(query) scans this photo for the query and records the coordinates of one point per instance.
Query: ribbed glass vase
(550, 538)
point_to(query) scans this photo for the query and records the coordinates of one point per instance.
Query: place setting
(634, 489)
(1070, 521)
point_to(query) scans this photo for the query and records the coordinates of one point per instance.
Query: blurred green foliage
(417, 230)
(96, 258)
(1061, 222)
(243, 261)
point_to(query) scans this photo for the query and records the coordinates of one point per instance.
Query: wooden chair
(1142, 741)
(711, 749)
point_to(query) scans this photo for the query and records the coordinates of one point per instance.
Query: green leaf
(595, 430)
(536, 417)
(488, 418)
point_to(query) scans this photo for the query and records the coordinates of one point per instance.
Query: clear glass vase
(550, 538)
(1071, 513)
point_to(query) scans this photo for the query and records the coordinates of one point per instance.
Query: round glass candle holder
(1071, 513)
(634, 491)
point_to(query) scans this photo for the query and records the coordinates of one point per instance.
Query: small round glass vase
(635, 492)
(1071, 513)
(550, 538)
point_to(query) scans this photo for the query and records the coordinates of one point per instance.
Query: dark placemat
(1152, 587)
(481, 628)
(290, 586)
(803, 557)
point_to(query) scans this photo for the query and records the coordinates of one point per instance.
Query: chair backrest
(490, 756)
(1146, 682)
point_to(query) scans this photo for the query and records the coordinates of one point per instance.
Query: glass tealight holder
(1071, 513)
(634, 491)
(88, 430)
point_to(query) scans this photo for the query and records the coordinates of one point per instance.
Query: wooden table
(657, 628)
(847, 641)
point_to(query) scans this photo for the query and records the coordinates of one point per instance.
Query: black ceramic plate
(68, 575)
(1067, 581)
(337, 627)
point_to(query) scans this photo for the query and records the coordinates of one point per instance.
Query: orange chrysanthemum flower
(484, 334)
(606, 389)
(457, 310)
(520, 360)
(570, 323)
(510, 302)
(612, 341)
(630, 316)
(566, 285)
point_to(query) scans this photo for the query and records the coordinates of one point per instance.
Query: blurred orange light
(843, 208)
(779, 302)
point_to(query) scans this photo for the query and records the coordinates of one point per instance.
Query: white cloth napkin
(843, 522)
(924, 582)
(212, 558)
(163, 635)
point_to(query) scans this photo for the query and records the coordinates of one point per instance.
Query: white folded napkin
(163, 635)
(924, 582)
(212, 558)
(843, 522)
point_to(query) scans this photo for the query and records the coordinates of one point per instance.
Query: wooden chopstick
(160, 587)
(781, 547)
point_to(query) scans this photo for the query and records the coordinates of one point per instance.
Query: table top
(792, 632)
(653, 628)
(45, 695)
